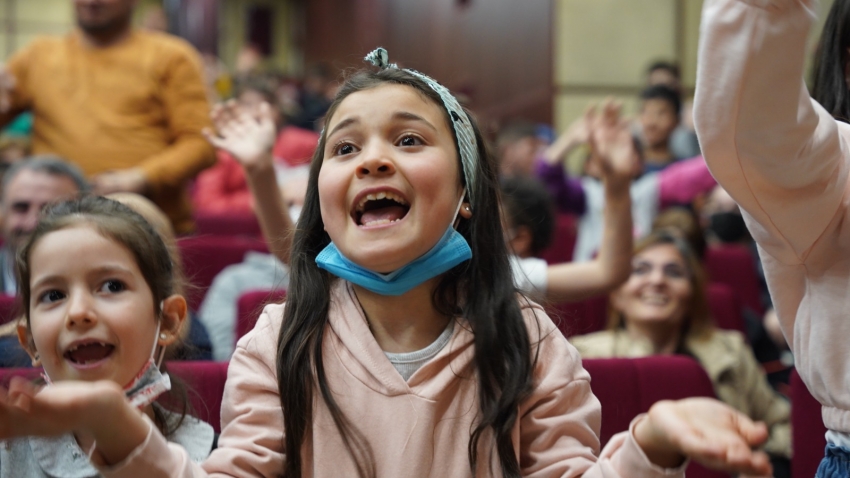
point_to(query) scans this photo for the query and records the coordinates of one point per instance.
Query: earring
(163, 336)
(466, 208)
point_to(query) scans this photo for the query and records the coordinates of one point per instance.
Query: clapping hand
(248, 137)
(706, 430)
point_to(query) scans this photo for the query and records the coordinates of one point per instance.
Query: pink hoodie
(785, 160)
(416, 428)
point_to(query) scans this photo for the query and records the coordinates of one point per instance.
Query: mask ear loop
(457, 210)
(156, 337)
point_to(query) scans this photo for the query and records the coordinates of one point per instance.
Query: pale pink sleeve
(251, 441)
(777, 152)
(560, 421)
(683, 181)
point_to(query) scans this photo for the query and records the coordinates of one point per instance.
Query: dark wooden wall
(496, 52)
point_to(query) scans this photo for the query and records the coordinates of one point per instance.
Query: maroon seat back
(629, 387)
(579, 318)
(563, 240)
(807, 430)
(205, 256)
(9, 308)
(205, 381)
(222, 224)
(725, 307)
(734, 265)
(250, 306)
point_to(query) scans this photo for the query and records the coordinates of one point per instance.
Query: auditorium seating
(250, 306)
(205, 256)
(563, 240)
(734, 265)
(629, 387)
(8, 308)
(807, 430)
(238, 224)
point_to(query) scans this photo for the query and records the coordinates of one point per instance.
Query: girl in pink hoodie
(403, 348)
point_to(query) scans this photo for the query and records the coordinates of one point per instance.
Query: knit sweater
(138, 103)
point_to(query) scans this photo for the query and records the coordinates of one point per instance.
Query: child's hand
(248, 137)
(27, 410)
(705, 430)
(576, 134)
(611, 139)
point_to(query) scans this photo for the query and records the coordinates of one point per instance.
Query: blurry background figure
(154, 19)
(317, 92)
(722, 220)
(662, 309)
(683, 223)
(517, 147)
(658, 118)
(134, 120)
(683, 141)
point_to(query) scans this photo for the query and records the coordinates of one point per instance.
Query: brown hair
(115, 221)
(697, 320)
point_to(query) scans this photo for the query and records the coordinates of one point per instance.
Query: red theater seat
(807, 430)
(629, 387)
(734, 265)
(8, 308)
(563, 240)
(250, 306)
(725, 308)
(227, 224)
(205, 256)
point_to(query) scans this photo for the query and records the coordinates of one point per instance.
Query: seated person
(528, 219)
(662, 309)
(223, 188)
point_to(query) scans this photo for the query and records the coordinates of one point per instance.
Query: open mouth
(88, 353)
(380, 208)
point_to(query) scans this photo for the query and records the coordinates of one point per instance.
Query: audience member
(126, 105)
(101, 306)
(683, 141)
(658, 118)
(517, 147)
(529, 220)
(223, 189)
(662, 309)
(317, 92)
(28, 187)
(682, 222)
(677, 184)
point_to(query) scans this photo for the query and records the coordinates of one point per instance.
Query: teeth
(380, 222)
(380, 195)
(75, 347)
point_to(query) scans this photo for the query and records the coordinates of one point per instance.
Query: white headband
(460, 121)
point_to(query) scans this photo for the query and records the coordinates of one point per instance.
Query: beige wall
(23, 20)
(233, 19)
(602, 48)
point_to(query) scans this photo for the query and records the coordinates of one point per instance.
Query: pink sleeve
(560, 421)
(683, 181)
(776, 151)
(251, 441)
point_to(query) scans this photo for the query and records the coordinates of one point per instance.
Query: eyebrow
(400, 115)
(38, 281)
(343, 124)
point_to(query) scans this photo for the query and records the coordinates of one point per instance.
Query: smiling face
(389, 184)
(92, 314)
(658, 291)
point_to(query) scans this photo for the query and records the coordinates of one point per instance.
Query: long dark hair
(830, 80)
(119, 223)
(503, 357)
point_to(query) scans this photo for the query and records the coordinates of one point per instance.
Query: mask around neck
(451, 250)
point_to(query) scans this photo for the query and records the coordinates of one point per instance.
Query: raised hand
(248, 137)
(706, 430)
(613, 145)
(576, 134)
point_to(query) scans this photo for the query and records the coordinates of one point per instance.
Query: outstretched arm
(250, 140)
(776, 151)
(613, 146)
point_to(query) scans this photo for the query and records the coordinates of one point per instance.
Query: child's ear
(174, 314)
(465, 211)
(25, 338)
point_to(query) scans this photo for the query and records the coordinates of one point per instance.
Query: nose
(80, 311)
(376, 161)
(657, 276)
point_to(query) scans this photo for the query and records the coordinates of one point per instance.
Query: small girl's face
(390, 181)
(91, 311)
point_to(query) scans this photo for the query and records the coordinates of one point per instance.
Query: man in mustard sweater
(125, 105)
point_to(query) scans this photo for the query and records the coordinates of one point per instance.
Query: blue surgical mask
(451, 250)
